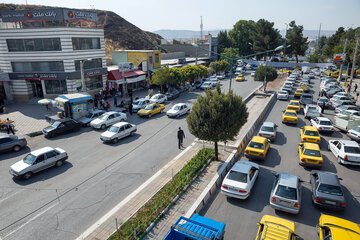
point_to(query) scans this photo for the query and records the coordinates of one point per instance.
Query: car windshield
(113, 129)
(176, 107)
(357, 129)
(29, 159)
(299, 91)
(330, 189)
(237, 176)
(88, 115)
(267, 129)
(291, 114)
(311, 133)
(326, 123)
(322, 100)
(149, 107)
(137, 102)
(352, 149)
(103, 117)
(282, 92)
(307, 96)
(311, 109)
(256, 145)
(311, 152)
(286, 192)
(56, 124)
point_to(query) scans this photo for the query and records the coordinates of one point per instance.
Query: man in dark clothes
(355, 87)
(323, 107)
(180, 136)
(130, 108)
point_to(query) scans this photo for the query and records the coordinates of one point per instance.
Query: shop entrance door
(37, 89)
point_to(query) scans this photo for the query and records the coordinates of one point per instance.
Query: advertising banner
(76, 15)
(32, 15)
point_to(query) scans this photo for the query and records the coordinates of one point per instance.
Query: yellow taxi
(151, 109)
(297, 67)
(276, 228)
(284, 59)
(310, 155)
(285, 70)
(240, 78)
(304, 87)
(289, 116)
(330, 227)
(294, 105)
(299, 92)
(309, 134)
(257, 148)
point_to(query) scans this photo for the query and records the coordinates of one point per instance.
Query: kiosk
(74, 105)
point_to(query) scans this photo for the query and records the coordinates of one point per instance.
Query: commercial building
(45, 61)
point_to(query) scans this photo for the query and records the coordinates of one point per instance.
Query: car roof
(64, 119)
(311, 128)
(269, 124)
(5, 136)
(307, 94)
(287, 179)
(328, 177)
(97, 111)
(290, 110)
(311, 105)
(258, 139)
(323, 119)
(244, 166)
(111, 112)
(42, 150)
(312, 146)
(142, 99)
(179, 104)
(119, 124)
(333, 222)
(297, 101)
(349, 143)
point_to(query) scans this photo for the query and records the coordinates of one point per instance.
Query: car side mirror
(301, 144)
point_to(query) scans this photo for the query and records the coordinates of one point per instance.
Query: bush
(271, 73)
(151, 210)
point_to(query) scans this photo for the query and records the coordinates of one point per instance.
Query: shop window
(36, 44)
(150, 60)
(89, 64)
(92, 82)
(85, 43)
(55, 86)
(51, 66)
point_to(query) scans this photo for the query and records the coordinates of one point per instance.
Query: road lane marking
(11, 195)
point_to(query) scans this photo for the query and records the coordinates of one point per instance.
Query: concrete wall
(172, 55)
(188, 49)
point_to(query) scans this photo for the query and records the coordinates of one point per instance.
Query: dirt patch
(277, 83)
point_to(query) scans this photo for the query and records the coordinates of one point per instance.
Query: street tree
(219, 66)
(162, 76)
(230, 52)
(178, 76)
(217, 117)
(294, 38)
(268, 71)
(190, 72)
(315, 57)
(223, 41)
(240, 36)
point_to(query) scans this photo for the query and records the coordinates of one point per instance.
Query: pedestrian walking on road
(130, 108)
(355, 87)
(180, 136)
(9, 127)
(323, 107)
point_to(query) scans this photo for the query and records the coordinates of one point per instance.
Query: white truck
(346, 122)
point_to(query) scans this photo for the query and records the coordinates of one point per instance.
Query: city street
(63, 202)
(241, 216)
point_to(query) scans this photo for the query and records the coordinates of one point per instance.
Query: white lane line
(11, 195)
(93, 227)
(32, 219)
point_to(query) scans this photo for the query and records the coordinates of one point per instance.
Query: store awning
(116, 75)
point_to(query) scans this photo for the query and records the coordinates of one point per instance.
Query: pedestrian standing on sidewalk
(9, 127)
(357, 96)
(348, 88)
(130, 107)
(180, 136)
(115, 100)
(355, 87)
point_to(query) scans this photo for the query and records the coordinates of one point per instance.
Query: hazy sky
(154, 15)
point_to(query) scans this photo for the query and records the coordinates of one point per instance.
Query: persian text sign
(76, 15)
(32, 15)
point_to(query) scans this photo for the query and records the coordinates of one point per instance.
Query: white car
(37, 161)
(322, 124)
(108, 119)
(158, 98)
(178, 110)
(139, 104)
(85, 120)
(312, 111)
(118, 131)
(253, 74)
(282, 95)
(206, 85)
(347, 152)
(221, 76)
(354, 133)
(239, 181)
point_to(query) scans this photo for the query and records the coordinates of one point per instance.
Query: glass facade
(51, 66)
(89, 64)
(92, 82)
(36, 44)
(55, 86)
(85, 43)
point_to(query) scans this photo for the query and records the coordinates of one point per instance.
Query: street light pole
(83, 86)
(265, 72)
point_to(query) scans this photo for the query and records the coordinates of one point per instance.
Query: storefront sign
(42, 76)
(94, 72)
(126, 66)
(76, 15)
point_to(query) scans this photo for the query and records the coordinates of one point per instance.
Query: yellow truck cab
(334, 228)
(274, 228)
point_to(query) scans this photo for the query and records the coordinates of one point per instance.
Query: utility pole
(201, 29)
(285, 38)
(318, 41)
(354, 61)
(342, 64)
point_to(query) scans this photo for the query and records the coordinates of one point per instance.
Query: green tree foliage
(217, 117)
(162, 76)
(265, 36)
(202, 70)
(322, 42)
(240, 36)
(271, 73)
(315, 57)
(294, 38)
(223, 41)
(219, 66)
(332, 41)
(178, 76)
(230, 52)
(190, 72)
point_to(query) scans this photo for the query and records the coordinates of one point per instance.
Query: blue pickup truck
(196, 228)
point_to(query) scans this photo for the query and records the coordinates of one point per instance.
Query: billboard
(76, 15)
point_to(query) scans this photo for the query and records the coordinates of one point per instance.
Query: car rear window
(267, 129)
(327, 123)
(237, 176)
(312, 133)
(286, 192)
(305, 96)
(330, 189)
(351, 149)
(312, 109)
(313, 153)
(256, 145)
(291, 114)
(294, 104)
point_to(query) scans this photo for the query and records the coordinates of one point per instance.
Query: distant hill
(188, 34)
(119, 33)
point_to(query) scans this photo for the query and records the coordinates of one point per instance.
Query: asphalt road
(61, 203)
(241, 216)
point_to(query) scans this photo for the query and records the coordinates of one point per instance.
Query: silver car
(85, 120)
(286, 193)
(37, 161)
(268, 130)
(12, 143)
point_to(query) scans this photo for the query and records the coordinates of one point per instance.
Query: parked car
(322, 124)
(150, 110)
(253, 74)
(306, 98)
(61, 126)
(239, 181)
(270, 226)
(332, 228)
(158, 98)
(118, 131)
(339, 103)
(268, 130)
(37, 161)
(172, 94)
(283, 95)
(221, 76)
(85, 120)
(198, 83)
(340, 97)
(354, 133)
(206, 85)
(331, 93)
(12, 143)
(177, 110)
(139, 104)
(345, 94)
(108, 119)
(326, 190)
(343, 108)
(286, 193)
(312, 111)
(347, 152)
(310, 155)
(257, 148)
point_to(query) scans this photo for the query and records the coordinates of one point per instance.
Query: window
(94, 82)
(237, 176)
(89, 64)
(50, 154)
(36, 44)
(85, 43)
(53, 66)
(157, 59)
(40, 158)
(150, 60)
(5, 140)
(55, 86)
(286, 192)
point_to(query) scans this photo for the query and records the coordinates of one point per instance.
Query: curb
(34, 134)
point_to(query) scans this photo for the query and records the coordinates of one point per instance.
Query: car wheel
(339, 160)
(132, 133)
(329, 147)
(103, 127)
(59, 163)
(27, 175)
(16, 148)
(115, 140)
